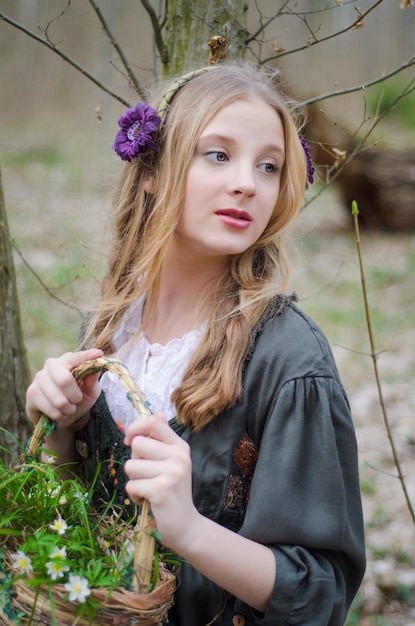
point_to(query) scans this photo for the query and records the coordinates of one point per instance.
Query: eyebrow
(225, 139)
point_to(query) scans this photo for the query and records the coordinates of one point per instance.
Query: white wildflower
(59, 525)
(22, 562)
(58, 553)
(78, 588)
(48, 459)
(56, 569)
(81, 495)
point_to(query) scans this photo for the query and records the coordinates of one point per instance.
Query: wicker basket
(120, 607)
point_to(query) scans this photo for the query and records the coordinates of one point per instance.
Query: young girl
(249, 461)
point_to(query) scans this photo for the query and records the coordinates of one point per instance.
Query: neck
(182, 301)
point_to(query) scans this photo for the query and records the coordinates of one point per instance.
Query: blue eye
(216, 155)
(269, 168)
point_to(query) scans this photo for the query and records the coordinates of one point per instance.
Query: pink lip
(236, 218)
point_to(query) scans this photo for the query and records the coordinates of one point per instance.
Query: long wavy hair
(144, 223)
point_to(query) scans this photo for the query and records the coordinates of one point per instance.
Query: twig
(233, 19)
(64, 56)
(291, 12)
(362, 86)
(49, 24)
(374, 355)
(160, 45)
(43, 284)
(361, 352)
(360, 145)
(119, 50)
(254, 36)
(310, 44)
(380, 471)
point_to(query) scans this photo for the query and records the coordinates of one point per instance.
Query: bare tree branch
(162, 49)
(64, 56)
(360, 146)
(261, 29)
(241, 28)
(370, 83)
(282, 11)
(374, 355)
(42, 283)
(310, 44)
(49, 24)
(132, 77)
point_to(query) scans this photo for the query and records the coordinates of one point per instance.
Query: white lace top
(157, 368)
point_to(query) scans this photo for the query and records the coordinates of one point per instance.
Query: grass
(53, 529)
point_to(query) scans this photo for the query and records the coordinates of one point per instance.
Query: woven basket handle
(145, 541)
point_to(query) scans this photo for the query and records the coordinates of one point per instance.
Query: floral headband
(140, 123)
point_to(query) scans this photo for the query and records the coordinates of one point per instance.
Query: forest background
(59, 171)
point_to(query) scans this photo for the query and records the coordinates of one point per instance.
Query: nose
(242, 180)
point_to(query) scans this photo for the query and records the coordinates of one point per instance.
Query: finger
(132, 490)
(55, 392)
(140, 469)
(74, 359)
(149, 448)
(38, 404)
(57, 383)
(90, 386)
(44, 396)
(156, 481)
(60, 371)
(153, 489)
(155, 426)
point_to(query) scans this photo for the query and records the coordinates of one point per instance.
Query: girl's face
(233, 181)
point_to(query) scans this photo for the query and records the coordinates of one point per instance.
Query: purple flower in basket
(138, 127)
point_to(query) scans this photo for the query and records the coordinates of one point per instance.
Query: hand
(55, 392)
(160, 471)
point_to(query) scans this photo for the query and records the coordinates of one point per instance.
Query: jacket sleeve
(305, 505)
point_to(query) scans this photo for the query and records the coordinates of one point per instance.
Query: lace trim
(158, 368)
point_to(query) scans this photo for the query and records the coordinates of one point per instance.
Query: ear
(150, 185)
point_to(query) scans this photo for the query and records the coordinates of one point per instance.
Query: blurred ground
(328, 277)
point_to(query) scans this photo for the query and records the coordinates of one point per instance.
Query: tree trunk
(14, 370)
(190, 25)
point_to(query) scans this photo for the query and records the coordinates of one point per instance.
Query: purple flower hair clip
(138, 127)
(310, 166)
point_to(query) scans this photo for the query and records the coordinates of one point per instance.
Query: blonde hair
(144, 223)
